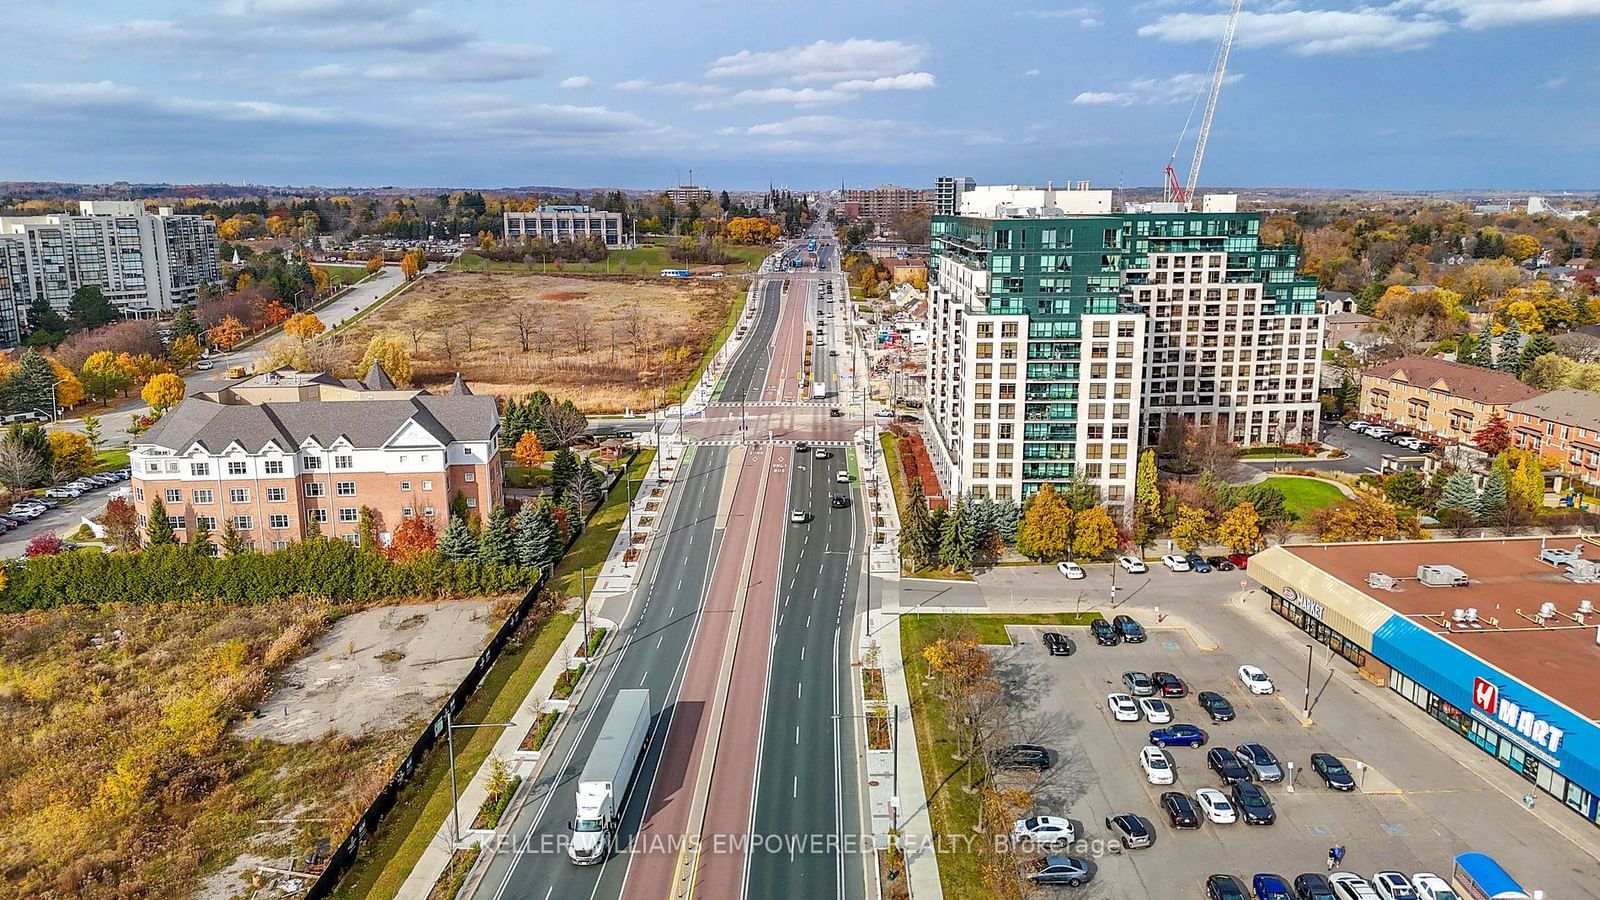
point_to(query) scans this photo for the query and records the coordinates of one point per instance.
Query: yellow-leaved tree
(389, 351)
(1046, 528)
(1191, 528)
(163, 391)
(528, 452)
(304, 326)
(1094, 534)
(1240, 528)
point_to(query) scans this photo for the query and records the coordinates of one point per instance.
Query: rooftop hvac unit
(1441, 576)
(1585, 607)
(1459, 616)
(1584, 571)
(1380, 581)
(1547, 610)
(1472, 617)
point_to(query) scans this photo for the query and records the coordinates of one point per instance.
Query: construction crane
(1184, 193)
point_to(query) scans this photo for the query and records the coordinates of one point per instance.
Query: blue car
(1178, 736)
(1197, 563)
(1270, 887)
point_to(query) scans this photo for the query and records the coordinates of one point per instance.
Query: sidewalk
(916, 830)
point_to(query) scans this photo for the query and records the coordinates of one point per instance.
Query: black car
(1253, 804)
(1332, 772)
(835, 412)
(838, 501)
(1313, 886)
(1225, 887)
(1021, 756)
(1215, 706)
(1180, 810)
(1131, 631)
(1058, 644)
(1168, 684)
(1066, 870)
(802, 447)
(1129, 829)
(1220, 563)
(1227, 766)
(1104, 634)
(1197, 563)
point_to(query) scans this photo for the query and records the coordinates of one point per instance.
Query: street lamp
(450, 739)
(55, 404)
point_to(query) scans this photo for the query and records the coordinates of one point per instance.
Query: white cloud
(671, 88)
(1064, 12)
(1306, 32)
(1089, 22)
(1173, 89)
(908, 81)
(99, 97)
(832, 125)
(1490, 13)
(823, 61)
(1031, 73)
(1556, 83)
(797, 96)
(1090, 98)
(577, 81)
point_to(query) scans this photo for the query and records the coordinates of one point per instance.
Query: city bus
(674, 273)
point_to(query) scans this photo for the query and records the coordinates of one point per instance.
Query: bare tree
(416, 329)
(524, 320)
(447, 343)
(20, 467)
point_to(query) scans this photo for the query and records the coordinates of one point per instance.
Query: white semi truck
(608, 775)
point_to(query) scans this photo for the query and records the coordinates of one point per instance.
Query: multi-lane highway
(741, 625)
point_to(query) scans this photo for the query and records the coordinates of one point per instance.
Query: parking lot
(1416, 808)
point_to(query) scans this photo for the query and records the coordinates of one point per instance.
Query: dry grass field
(608, 344)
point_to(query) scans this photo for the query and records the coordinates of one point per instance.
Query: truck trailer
(608, 776)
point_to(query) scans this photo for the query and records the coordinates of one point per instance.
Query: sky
(1399, 95)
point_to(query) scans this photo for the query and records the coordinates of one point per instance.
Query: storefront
(1306, 615)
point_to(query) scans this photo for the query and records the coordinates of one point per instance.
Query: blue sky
(1404, 94)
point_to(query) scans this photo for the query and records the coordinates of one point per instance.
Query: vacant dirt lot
(608, 344)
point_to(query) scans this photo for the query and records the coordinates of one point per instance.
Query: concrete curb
(916, 828)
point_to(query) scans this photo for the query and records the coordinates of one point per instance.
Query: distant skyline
(1487, 95)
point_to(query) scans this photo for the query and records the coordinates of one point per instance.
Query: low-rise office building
(566, 224)
(1501, 653)
(281, 451)
(1447, 400)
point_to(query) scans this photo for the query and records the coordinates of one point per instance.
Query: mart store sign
(1513, 716)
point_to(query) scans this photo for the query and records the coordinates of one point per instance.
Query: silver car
(1138, 684)
(1260, 761)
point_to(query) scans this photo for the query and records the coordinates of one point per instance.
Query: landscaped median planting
(502, 786)
(455, 874)
(533, 742)
(566, 682)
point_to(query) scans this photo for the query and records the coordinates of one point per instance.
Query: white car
(1132, 565)
(1392, 885)
(1356, 425)
(1156, 711)
(1255, 680)
(1157, 768)
(1175, 562)
(798, 515)
(62, 493)
(205, 365)
(1070, 570)
(1046, 830)
(1431, 887)
(1216, 805)
(1122, 707)
(842, 477)
(1349, 886)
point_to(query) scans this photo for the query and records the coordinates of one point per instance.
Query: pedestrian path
(897, 795)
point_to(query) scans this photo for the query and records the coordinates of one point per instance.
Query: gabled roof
(364, 423)
(458, 388)
(377, 379)
(1457, 379)
(1567, 406)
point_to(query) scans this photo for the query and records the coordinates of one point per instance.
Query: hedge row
(325, 569)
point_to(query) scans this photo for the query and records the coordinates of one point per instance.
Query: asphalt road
(659, 626)
(808, 768)
(746, 378)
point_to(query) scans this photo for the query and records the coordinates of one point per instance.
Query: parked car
(1157, 768)
(64, 493)
(1260, 761)
(1156, 711)
(1216, 805)
(1168, 684)
(1058, 644)
(1123, 707)
(1241, 560)
(1067, 870)
(1356, 425)
(1129, 829)
(1175, 563)
(1350, 886)
(1313, 886)
(1225, 887)
(1197, 563)
(1227, 766)
(1255, 680)
(1178, 736)
(1332, 772)
(1252, 803)
(1431, 887)
(1070, 570)
(1220, 563)
(1216, 706)
(1104, 634)
(1268, 886)
(1392, 885)
(1132, 565)
(1131, 631)
(1021, 756)
(1044, 830)
(1181, 812)
(1138, 684)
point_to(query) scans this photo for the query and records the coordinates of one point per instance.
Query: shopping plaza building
(1499, 647)
(1065, 334)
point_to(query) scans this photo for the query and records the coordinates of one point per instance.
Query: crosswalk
(769, 404)
(781, 442)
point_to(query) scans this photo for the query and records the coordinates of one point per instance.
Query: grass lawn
(646, 259)
(952, 810)
(344, 274)
(1304, 496)
(113, 459)
(735, 310)
(890, 444)
(595, 543)
(523, 477)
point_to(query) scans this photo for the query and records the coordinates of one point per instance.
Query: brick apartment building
(283, 449)
(1563, 427)
(1444, 399)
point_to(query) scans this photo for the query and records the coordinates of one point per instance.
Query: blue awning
(1486, 874)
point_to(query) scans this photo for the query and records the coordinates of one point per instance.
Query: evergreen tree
(1509, 355)
(574, 509)
(533, 534)
(200, 540)
(1348, 395)
(48, 327)
(459, 542)
(367, 528)
(232, 540)
(459, 508)
(1492, 502)
(313, 530)
(956, 545)
(1483, 351)
(29, 387)
(555, 545)
(90, 309)
(917, 537)
(1538, 345)
(160, 525)
(1009, 514)
(587, 484)
(184, 323)
(1459, 494)
(498, 544)
(563, 468)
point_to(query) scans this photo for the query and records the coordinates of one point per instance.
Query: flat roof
(1505, 575)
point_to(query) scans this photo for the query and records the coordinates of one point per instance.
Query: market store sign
(1305, 603)
(1511, 715)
